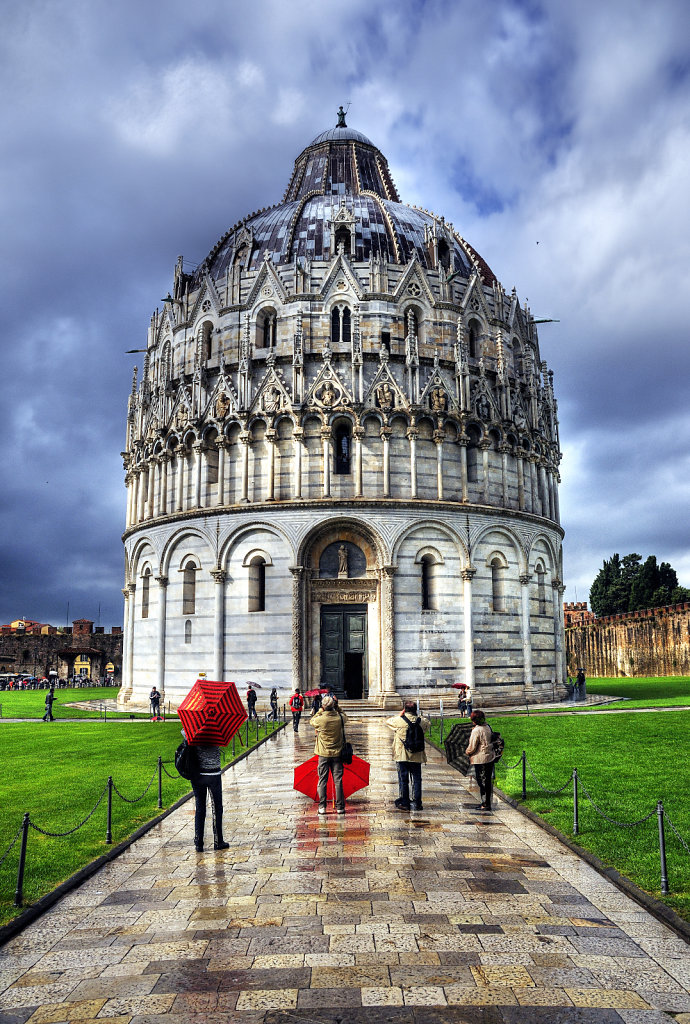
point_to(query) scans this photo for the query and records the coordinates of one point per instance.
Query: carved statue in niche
(328, 395)
(439, 399)
(342, 560)
(272, 399)
(483, 408)
(180, 417)
(222, 406)
(384, 396)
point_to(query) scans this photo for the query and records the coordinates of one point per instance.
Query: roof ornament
(341, 118)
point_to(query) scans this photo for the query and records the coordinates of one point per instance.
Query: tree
(628, 584)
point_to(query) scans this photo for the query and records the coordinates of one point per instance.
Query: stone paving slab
(381, 917)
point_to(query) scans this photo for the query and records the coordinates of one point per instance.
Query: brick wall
(653, 642)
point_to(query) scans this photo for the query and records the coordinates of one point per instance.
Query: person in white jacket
(481, 754)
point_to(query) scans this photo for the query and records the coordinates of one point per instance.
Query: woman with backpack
(481, 753)
(409, 754)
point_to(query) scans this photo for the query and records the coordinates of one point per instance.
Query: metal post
(233, 747)
(160, 781)
(524, 774)
(257, 728)
(19, 891)
(109, 822)
(662, 847)
(105, 712)
(247, 734)
(576, 821)
(441, 709)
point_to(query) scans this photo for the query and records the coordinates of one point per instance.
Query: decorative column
(504, 450)
(533, 460)
(129, 484)
(163, 492)
(326, 457)
(486, 484)
(143, 489)
(219, 576)
(131, 587)
(556, 502)
(386, 575)
(298, 438)
(525, 580)
(198, 459)
(271, 439)
(151, 488)
(180, 452)
(438, 441)
(127, 625)
(297, 625)
(244, 441)
(358, 435)
(386, 439)
(462, 441)
(222, 446)
(521, 479)
(412, 435)
(558, 591)
(467, 576)
(543, 491)
(162, 582)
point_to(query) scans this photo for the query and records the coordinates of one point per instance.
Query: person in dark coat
(155, 700)
(251, 703)
(274, 704)
(316, 704)
(50, 699)
(206, 778)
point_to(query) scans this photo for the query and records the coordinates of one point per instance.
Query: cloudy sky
(555, 136)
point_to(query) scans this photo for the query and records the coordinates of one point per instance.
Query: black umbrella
(456, 744)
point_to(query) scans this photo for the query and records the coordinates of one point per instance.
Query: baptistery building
(342, 459)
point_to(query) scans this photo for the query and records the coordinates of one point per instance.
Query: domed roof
(341, 173)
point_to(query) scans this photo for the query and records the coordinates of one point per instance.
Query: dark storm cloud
(134, 132)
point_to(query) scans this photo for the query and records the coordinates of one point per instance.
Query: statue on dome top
(341, 117)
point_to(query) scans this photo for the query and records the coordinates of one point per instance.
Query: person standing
(296, 706)
(273, 699)
(328, 722)
(251, 703)
(49, 701)
(207, 779)
(581, 685)
(316, 704)
(409, 754)
(481, 754)
(155, 700)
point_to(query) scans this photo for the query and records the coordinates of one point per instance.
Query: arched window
(189, 588)
(188, 631)
(497, 586)
(541, 589)
(443, 255)
(266, 335)
(206, 341)
(343, 449)
(145, 593)
(473, 339)
(428, 584)
(341, 325)
(342, 238)
(472, 463)
(257, 584)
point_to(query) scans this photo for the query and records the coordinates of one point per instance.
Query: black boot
(199, 844)
(219, 843)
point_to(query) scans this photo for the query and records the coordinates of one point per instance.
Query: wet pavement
(442, 915)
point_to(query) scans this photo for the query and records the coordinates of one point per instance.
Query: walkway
(437, 917)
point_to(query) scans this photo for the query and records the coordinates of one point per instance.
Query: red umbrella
(459, 686)
(355, 776)
(313, 693)
(212, 712)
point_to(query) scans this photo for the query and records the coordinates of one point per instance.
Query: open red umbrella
(313, 693)
(459, 686)
(355, 776)
(212, 712)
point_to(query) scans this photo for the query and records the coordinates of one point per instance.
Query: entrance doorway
(344, 650)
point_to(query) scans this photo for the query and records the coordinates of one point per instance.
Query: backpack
(184, 760)
(414, 737)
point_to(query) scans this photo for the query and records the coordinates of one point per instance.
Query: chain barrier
(12, 845)
(551, 792)
(137, 799)
(673, 827)
(619, 824)
(173, 777)
(59, 835)
(507, 766)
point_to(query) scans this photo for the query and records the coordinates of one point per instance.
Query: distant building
(38, 649)
(342, 459)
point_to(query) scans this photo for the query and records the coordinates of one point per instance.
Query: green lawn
(645, 692)
(31, 703)
(627, 763)
(57, 773)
